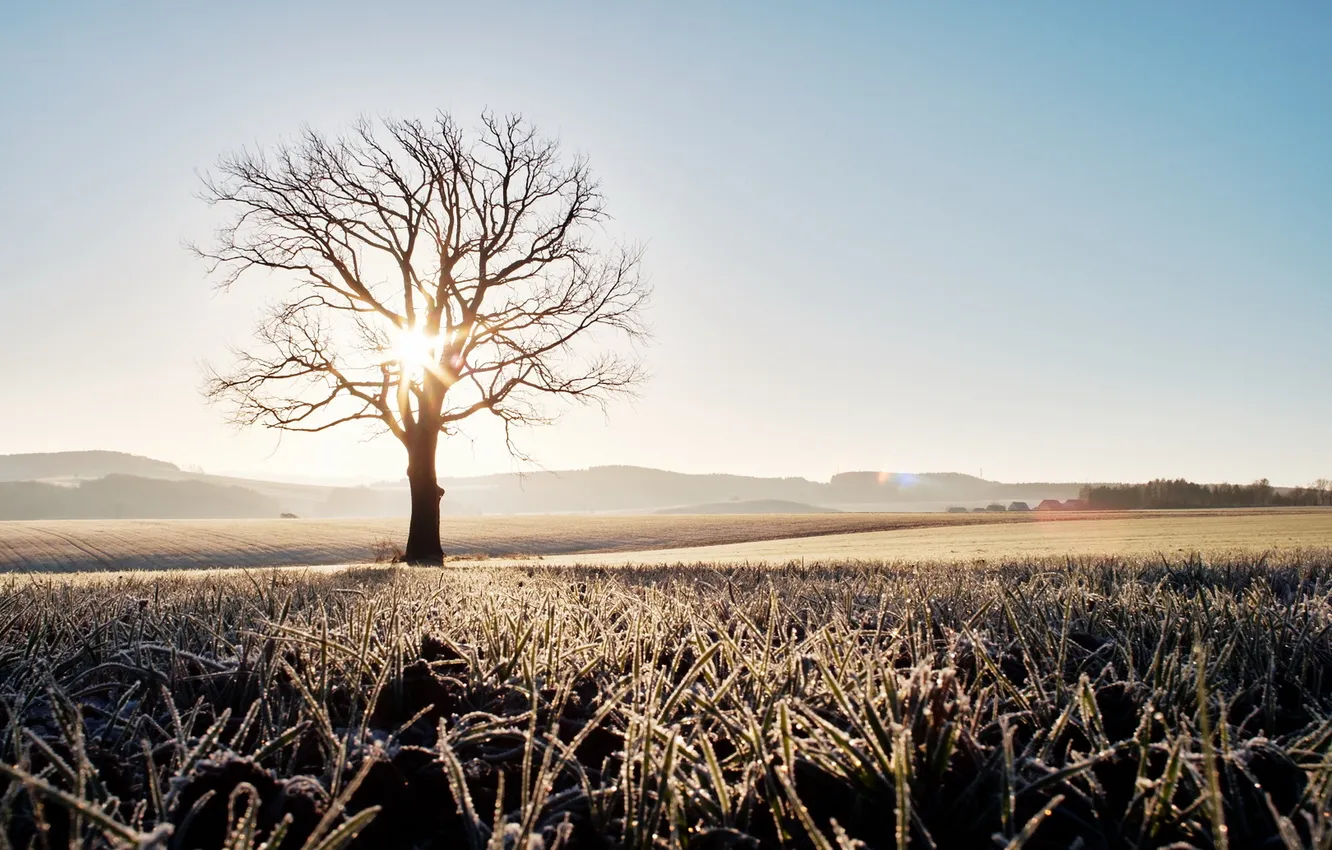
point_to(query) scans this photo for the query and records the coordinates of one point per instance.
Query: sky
(1046, 241)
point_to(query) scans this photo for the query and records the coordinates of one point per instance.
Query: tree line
(1179, 493)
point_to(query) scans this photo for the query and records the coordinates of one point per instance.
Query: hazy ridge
(89, 464)
(112, 485)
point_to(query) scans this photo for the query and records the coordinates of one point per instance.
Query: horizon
(1049, 245)
(316, 481)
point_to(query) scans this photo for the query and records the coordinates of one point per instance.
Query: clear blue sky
(1053, 240)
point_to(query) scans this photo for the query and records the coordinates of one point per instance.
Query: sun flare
(415, 350)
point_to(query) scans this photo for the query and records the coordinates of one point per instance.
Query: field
(1056, 703)
(72, 545)
(818, 681)
(1106, 535)
(80, 545)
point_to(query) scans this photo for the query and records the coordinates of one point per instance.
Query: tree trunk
(423, 545)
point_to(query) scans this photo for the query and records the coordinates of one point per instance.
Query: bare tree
(429, 275)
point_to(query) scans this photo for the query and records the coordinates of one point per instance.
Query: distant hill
(273, 497)
(631, 488)
(882, 487)
(131, 497)
(754, 506)
(615, 488)
(601, 489)
(34, 467)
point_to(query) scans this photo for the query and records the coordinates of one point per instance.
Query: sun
(415, 350)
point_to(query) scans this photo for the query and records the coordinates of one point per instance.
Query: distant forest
(1163, 494)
